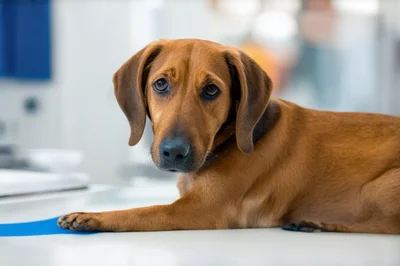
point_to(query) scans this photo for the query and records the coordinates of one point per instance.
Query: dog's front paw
(80, 222)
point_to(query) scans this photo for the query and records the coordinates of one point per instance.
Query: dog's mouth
(186, 167)
(190, 166)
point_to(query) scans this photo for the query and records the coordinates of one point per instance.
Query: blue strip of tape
(35, 228)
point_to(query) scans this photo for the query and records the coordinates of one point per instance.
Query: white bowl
(60, 161)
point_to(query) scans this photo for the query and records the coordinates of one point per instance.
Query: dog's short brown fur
(255, 162)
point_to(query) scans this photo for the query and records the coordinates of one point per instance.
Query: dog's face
(191, 89)
(188, 97)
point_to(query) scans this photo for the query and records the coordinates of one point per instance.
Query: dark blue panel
(25, 39)
(2, 41)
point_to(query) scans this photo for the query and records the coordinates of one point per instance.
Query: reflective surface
(219, 247)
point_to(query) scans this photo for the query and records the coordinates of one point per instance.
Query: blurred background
(57, 108)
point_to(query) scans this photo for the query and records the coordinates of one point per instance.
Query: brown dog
(248, 161)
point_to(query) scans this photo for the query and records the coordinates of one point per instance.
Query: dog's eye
(161, 85)
(210, 92)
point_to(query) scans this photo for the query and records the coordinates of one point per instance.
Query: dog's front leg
(187, 213)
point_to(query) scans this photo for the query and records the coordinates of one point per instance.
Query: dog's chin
(189, 167)
(178, 169)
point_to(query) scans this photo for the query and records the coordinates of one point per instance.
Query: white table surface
(189, 248)
(14, 182)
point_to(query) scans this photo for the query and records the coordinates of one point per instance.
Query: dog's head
(192, 90)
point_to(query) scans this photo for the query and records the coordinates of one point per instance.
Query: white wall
(91, 39)
(390, 40)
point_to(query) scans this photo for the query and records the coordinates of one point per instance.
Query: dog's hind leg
(378, 210)
(381, 205)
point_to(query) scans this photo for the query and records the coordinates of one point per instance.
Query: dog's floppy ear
(252, 88)
(129, 85)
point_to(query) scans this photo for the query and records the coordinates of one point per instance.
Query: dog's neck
(226, 135)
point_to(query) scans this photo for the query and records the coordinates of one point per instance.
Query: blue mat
(35, 228)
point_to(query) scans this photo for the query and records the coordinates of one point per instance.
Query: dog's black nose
(174, 151)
